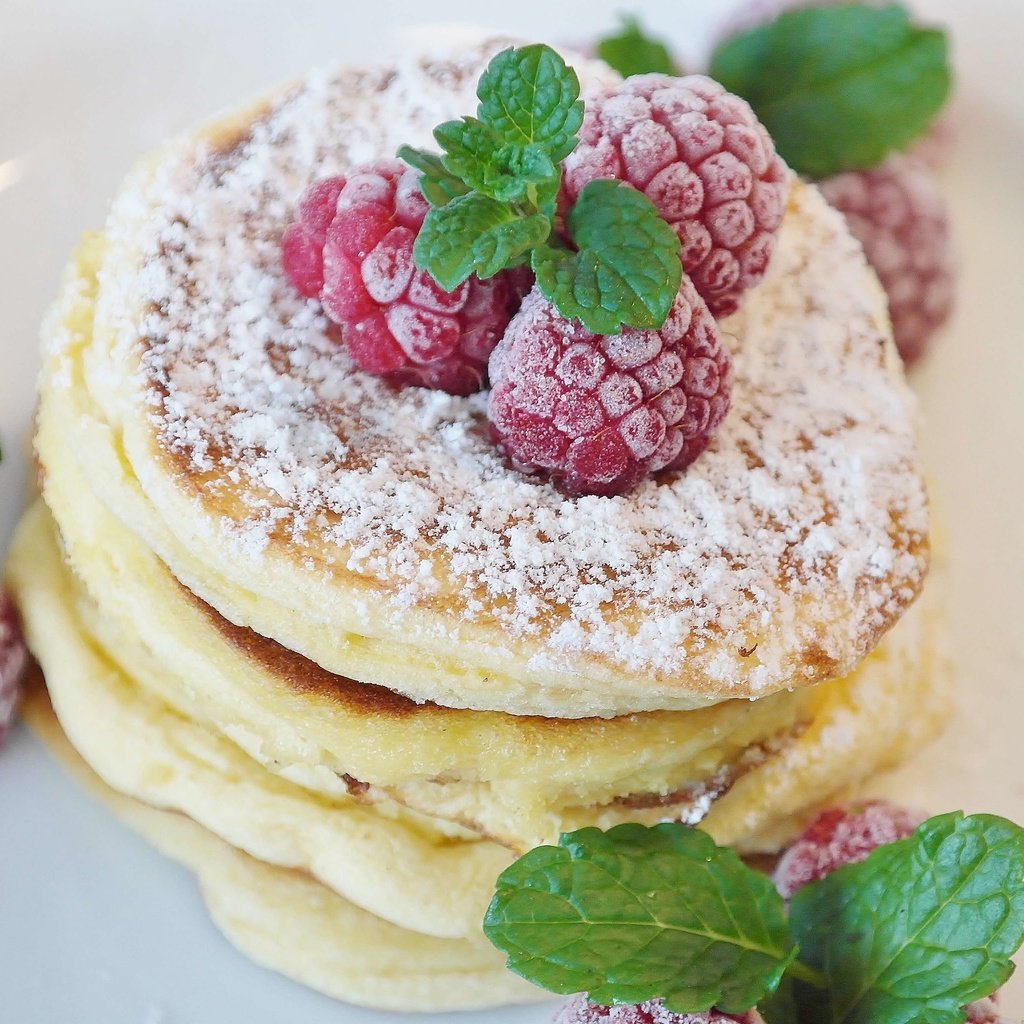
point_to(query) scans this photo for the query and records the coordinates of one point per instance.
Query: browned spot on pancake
(355, 787)
(307, 676)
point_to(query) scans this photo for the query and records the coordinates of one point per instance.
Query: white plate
(95, 927)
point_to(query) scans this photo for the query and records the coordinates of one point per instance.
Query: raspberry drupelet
(350, 246)
(705, 161)
(599, 413)
(838, 836)
(13, 662)
(899, 216)
(579, 1010)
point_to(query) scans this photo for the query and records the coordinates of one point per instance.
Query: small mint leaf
(626, 269)
(633, 52)
(921, 928)
(502, 170)
(475, 234)
(838, 88)
(639, 913)
(529, 96)
(438, 185)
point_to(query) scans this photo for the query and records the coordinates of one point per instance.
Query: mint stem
(802, 972)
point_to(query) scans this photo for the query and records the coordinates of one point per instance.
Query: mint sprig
(493, 192)
(637, 913)
(625, 267)
(919, 929)
(839, 88)
(633, 52)
(915, 932)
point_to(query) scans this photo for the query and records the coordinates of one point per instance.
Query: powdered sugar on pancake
(810, 493)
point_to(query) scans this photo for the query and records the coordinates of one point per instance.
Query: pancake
(109, 690)
(290, 923)
(379, 534)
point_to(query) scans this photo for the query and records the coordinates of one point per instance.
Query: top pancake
(313, 503)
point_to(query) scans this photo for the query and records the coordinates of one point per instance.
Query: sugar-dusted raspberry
(350, 246)
(600, 412)
(898, 214)
(13, 661)
(705, 161)
(579, 1010)
(838, 836)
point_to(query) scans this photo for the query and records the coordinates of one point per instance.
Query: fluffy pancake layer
(380, 534)
(287, 921)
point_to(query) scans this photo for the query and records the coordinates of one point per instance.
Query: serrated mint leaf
(919, 929)
(838, 88)
(475, 234)
(639, 913)
(508, 171)
(529, 96)
(438, 185)
(633, 52)
(625, 269)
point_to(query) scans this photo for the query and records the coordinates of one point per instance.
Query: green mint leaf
(632, 52)
(475, 234)
(919, 929)
(780, 1006)
(507, 171)
(438, 185)
(637, 913)
(838, 88)
(529, 96)
(625, 269)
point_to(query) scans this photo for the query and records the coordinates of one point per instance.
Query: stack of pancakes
(367, 662)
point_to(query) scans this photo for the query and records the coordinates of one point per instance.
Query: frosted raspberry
(838, 836)
(13, 661)
(898, 214)
(350, 246)
(579, 1010)
(598, 413)
(704, 160)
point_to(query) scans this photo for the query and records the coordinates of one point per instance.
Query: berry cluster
(594, 413)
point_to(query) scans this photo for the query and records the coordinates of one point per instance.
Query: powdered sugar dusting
(811, 492)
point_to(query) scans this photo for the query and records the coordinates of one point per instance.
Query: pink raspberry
(838, 836)
(13, 662)
(350, 246)
(899, 216)
(598, 413)
(704, 160)
(579, 1010)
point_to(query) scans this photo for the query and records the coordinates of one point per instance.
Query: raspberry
(13, 661)
(350, 246)
(579, 1010)
(598, 413)
(704, 160)
(899, 216)
(841, 836)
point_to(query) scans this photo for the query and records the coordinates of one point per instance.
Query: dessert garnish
(351, 245)
(832, 107)
(494, 193)
(705, 161)
(841, 110)
(13, 662)
(898, 214)
(918, 929)
(600, 413)
(633, 52)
